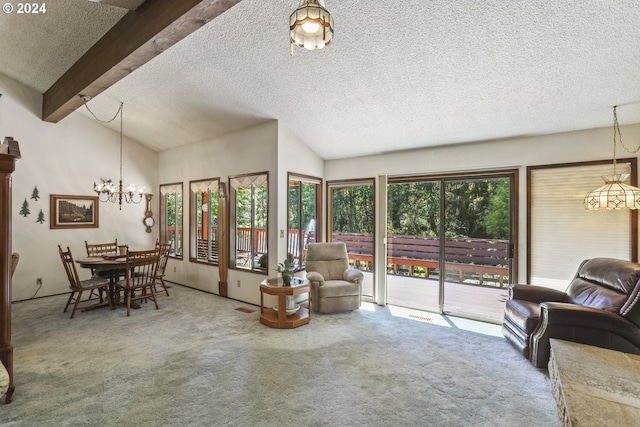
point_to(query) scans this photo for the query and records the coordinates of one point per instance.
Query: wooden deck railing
(243, 240)
(466, 260)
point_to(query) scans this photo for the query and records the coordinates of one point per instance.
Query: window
(304, 203)
(203, 220)
(249, 202)
(562, 233)
(171, 217)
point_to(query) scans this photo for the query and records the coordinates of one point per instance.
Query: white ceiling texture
(398, 75)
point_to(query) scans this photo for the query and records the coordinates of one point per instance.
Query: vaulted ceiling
(398, 75)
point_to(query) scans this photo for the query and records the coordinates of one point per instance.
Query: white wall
(251, 150)
(587, 145)
(66, 158)
(294, 157)
(266, 147)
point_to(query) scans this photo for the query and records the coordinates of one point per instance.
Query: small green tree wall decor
(24, 211)
(40, 219)
(35, 194)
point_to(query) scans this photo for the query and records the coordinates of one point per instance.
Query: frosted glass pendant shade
(615, 194)
(311, 25)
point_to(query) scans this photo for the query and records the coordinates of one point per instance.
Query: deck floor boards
(482, 302)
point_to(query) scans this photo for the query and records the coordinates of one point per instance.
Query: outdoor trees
(352, 209)
(472, 208)
(413, 209)
(497, 219)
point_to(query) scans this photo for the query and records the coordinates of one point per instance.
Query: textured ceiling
(398, 75)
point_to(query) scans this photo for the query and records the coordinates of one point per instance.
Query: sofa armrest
(536, 294)
(581, 316)
(586, 325)
(315, 277)
(353, 275)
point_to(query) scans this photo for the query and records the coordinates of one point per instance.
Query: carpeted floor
(198, 361)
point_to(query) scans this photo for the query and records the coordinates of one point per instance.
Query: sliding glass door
(450, 243)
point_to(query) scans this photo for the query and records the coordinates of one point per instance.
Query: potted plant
(287, 269)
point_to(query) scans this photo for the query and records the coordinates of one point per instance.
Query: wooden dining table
(110, 263)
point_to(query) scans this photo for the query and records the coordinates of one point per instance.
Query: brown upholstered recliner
(600, 307)
(334, 286)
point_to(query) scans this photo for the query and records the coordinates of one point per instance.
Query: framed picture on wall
(74, 211)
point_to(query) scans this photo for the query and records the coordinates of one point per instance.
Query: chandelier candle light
(310, 26)
(107, 190)
(615, 194)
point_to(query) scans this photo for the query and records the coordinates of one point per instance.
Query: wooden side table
(279, 319)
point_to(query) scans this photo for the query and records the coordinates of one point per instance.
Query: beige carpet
(198, 361)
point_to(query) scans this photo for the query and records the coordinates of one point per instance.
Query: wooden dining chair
(97, 250)
(165, 249)
(140, 277)
(78, 286)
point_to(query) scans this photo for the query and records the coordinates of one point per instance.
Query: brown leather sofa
(600, 307)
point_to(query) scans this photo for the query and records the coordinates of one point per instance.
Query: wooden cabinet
(7, 166)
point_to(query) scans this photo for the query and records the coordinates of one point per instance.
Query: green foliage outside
(174, 201)
(244, 208)
(473, 209)
(212, 209)
(413, 209)
(305, 192)
(497, 219)
(174, 219)
(352, 209)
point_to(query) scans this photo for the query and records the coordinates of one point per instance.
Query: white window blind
(563, 232)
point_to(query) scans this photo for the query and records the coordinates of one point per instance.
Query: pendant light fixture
(310, 26)
(615, 194)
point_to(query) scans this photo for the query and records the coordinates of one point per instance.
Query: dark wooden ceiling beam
(137, 38)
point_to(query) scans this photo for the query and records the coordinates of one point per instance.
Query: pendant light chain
(119, 112)
(617, 129)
